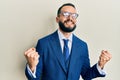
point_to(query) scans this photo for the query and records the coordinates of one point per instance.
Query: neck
(66, 34)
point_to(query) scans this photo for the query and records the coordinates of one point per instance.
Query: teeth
(69, 22)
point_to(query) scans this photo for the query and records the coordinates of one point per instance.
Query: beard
(66, 29)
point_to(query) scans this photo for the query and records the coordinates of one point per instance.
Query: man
(61, 55)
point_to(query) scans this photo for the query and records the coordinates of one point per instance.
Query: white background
(23, 22)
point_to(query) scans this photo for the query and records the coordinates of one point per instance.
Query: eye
(66, 14)
(75, 15)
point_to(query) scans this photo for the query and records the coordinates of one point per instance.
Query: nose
(70, 17)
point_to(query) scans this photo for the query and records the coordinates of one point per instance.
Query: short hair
(67, 4)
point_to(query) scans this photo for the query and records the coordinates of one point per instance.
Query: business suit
(51, 64)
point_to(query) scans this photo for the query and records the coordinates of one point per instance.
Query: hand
(32, 58)
(104, 58)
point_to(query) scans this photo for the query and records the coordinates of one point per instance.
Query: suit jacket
(51, 64)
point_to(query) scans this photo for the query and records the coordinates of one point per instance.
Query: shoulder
(44, 43)
(78, 40)
(47, 38)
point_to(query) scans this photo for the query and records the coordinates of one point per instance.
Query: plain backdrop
(23, 22)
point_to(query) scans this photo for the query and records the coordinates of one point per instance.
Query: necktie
(66, 49)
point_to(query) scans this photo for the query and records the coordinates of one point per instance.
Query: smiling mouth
(69, 23)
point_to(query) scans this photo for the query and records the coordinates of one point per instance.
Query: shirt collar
(61, 36)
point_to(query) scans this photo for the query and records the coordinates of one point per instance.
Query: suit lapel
(73, 58)
(57, 50)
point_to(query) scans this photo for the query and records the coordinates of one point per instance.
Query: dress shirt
(61, 37)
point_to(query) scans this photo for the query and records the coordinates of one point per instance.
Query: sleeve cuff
(30, 72)
(101, 71)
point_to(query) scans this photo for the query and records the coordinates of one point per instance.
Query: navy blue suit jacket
(51, 64)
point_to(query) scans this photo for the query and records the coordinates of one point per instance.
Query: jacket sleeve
(88, 73)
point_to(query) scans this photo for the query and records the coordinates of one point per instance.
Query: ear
(57, 19)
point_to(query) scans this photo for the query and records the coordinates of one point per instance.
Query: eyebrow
(69, 12)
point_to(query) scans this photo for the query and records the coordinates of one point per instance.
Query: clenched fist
(32, 58)
(104, 58)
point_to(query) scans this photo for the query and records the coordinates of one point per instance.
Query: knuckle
(25, 53)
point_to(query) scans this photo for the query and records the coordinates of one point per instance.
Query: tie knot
(66, 41)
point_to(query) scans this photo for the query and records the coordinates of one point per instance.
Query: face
(67, 19)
